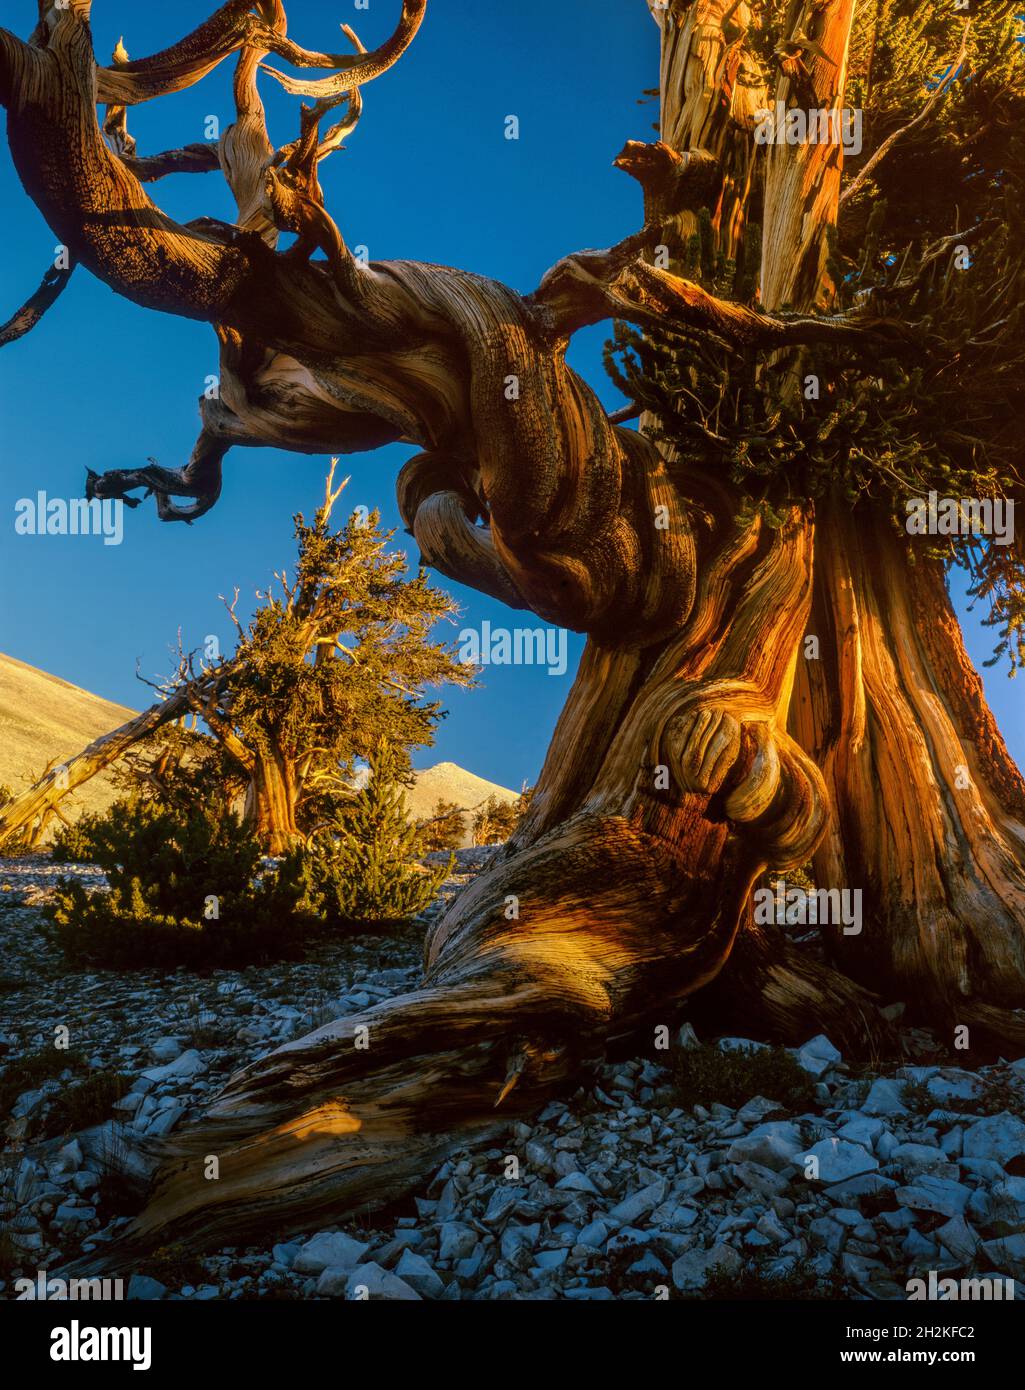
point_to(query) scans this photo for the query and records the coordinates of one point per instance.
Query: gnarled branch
(51, 287)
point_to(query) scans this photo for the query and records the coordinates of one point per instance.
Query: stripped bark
(930, 809)
(672, 781)
(714, 88)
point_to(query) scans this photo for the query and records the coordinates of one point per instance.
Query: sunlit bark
(672, 782)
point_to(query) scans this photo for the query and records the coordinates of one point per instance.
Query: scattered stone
(329, 1250)
(930, 1193)
(165, 1050)
(1008, 1255)
(862, 1130)
(576, 1182)
(758, 1109)
(918, 1158)
(774, 1144)
(419, 1275)
(999, 1137)
(868, 1185)
(639, 1203)
(951, 1083)
(817, 1056)
(190, 1063)
(884, 1098)
(691, 1271)
(372, 1283)
(959, 1238)
(457, 1241)
(142, 1287)
(839, 1159)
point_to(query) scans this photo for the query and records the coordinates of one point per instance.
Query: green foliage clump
(495, 821)
(752, 1283)
(184, 891)
(28, 1072)
(75, 841)
(445, 828)
(930, 403)
(360, 869)
(122, 931)
(180, 857)
(706, 1075)
(85, 1103)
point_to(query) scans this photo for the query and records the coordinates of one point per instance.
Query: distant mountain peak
(44, 717)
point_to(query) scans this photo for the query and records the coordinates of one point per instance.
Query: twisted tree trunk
(271, 800)
(672, 782)
(930, 808)
(670, 786)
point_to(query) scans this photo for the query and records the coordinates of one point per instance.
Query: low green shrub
(85, 1103)
(179, 856)
(185, 890)
(76, 843)
(28, 1072)
(705, 1075)
(121, 930)
(361, 869)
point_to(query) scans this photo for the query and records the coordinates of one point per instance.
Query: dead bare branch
(350, 70)
(51, 288)
(200, 157)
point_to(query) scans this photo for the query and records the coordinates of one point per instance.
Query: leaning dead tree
(30, 811)
(336, 658)
(682, 766)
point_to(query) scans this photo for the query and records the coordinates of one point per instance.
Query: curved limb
(589, 286)
(200, 478)
(51, 288)
(197, 158)
(439, 511)
(354, 70)
(245, 148)
(230, 28)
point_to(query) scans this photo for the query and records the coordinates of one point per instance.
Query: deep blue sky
(428, 175)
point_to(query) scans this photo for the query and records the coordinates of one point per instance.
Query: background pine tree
(361, 868)
(444, 829)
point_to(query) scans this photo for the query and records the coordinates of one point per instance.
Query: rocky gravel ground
(618, 1192)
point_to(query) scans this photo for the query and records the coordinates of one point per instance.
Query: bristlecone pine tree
(494, 821)
(333, 662)
(444, 828)
(700, 743)
(361, 866)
